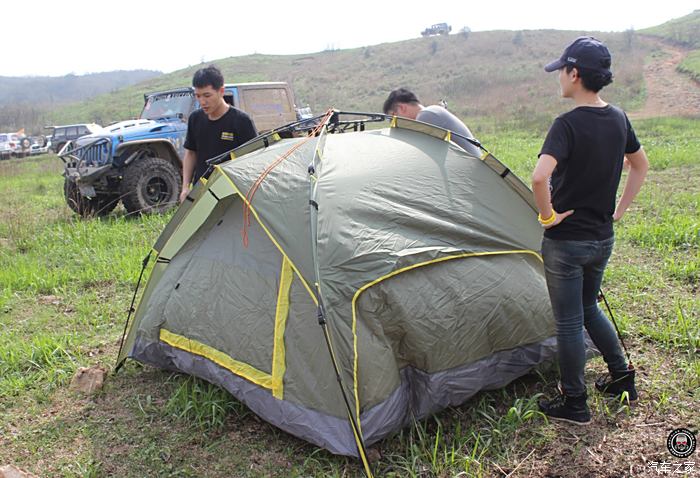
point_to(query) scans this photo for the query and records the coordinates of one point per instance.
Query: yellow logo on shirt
(226, 136)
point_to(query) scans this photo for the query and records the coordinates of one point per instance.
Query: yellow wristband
(549, 220)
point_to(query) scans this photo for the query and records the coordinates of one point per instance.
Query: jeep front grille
(95, 153)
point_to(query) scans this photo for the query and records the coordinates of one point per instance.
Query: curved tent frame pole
(321, 312)
(350, 121)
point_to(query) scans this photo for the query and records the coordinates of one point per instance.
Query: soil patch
(669, 92)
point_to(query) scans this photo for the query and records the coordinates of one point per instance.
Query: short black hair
(592, 80)
(399, 95)
(209, 76)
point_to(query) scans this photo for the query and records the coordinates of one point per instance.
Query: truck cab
(269, 104)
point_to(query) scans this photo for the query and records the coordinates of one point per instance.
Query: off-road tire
(101, 205)
(150, 185)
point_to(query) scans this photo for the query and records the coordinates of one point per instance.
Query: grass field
(66, 284)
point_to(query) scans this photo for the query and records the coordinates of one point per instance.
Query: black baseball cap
(584, 52)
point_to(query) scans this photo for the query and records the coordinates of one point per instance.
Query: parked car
(61, 134)
(140, 161)
(9, 145)
(40, 145)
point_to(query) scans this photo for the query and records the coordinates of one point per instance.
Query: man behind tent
(213, 129)
(403, 102)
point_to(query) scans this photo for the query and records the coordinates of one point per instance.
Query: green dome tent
(342, 285)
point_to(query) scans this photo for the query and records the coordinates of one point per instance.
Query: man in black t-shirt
(575, 183)
(212, 130)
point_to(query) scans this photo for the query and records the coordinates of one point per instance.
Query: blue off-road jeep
(140, 161)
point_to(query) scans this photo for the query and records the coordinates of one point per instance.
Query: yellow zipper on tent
(273, 381)
(282, 312)
(195, 347)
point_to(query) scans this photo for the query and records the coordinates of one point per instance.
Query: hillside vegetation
(68, 88)
(691, 65)
(684, 31)
(496, 75)
(26, 101)
(491, 79)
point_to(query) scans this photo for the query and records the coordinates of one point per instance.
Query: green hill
(488, 78)
(54, 90)
(684, 31)
(25, 101)
(496, 75)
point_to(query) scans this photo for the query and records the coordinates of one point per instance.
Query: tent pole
(131, 310)
(362, 451)
(601, 296)
(321, 313)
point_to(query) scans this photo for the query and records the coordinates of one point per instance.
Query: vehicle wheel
(101, 205)
(25, 143)
(150, 185)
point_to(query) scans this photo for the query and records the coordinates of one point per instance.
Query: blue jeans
(574, 271)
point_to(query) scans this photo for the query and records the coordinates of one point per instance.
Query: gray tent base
(421, 392)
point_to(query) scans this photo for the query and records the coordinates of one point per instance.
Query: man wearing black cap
(575, 184)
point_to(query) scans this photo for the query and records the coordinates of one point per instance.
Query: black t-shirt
(589, 145)
(211, 138)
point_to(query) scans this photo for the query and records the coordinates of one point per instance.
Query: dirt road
(669, 93)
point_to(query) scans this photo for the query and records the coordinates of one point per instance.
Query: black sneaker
(616, 383)
(567, 408)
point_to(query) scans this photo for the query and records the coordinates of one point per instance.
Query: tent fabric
(421, 259)
(419, 396)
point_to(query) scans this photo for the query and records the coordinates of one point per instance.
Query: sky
(55, 38)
